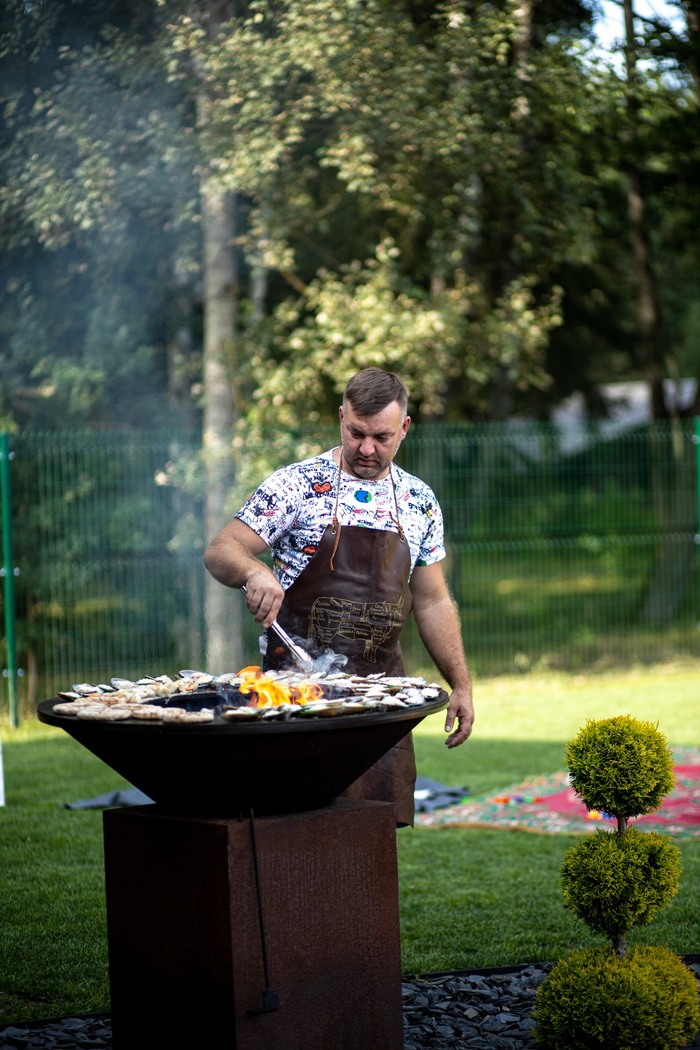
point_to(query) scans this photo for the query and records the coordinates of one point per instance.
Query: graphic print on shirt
(290, 510)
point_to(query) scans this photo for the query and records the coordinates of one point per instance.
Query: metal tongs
(300, 655)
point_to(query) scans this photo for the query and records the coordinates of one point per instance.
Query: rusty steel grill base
(189, 961)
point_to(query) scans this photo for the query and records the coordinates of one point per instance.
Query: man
(357, 544)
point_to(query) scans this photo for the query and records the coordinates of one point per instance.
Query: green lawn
(468, 898)
(473, 898)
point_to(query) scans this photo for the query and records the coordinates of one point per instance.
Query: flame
(267, 692)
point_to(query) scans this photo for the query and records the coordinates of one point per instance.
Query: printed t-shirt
(291, 509)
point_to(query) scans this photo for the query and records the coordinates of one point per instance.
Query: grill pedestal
(187, 957)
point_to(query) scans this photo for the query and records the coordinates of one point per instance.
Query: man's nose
(366, 446)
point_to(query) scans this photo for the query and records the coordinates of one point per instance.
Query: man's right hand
(264, 595)
(233, 558)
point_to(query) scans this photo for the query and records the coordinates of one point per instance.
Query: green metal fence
(568, 548)
(103, 587)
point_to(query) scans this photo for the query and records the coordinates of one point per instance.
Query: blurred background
(212, 214)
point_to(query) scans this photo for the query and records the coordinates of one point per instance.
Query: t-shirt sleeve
(273, 508)
(432, 547)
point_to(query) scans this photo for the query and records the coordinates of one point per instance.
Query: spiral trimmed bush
(639, 999)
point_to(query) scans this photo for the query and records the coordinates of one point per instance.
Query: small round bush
(620, 766)
(616, 882)
(648, 1001)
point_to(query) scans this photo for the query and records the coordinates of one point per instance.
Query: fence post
(8, 571)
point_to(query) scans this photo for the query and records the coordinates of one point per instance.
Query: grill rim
(269, 726)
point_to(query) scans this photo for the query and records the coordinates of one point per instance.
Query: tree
(92, 208)
(246, 202)
(326, 113)
(672, 475)
(224, 650)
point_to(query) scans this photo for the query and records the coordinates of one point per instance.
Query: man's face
(371, 442)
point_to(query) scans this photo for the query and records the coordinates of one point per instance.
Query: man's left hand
(461, 710)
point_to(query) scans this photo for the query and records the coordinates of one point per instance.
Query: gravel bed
(488, 1009)
(481, 1010)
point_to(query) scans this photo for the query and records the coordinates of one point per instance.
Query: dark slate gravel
(66, 1033)
(481, 1010)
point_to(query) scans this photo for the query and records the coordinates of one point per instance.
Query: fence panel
(567, 549)
(102, 589)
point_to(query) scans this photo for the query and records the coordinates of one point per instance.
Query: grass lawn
(468, 898)
(472, 898)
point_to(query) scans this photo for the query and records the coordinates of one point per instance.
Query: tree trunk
(644, 276)
(222, 607)
(188, 626)
(692, 20)
(671, 463)
(508, 266)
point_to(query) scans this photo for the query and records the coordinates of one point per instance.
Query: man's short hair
(372, 389)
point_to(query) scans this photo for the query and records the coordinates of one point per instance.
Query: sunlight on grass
(531, 587)
(554, 707)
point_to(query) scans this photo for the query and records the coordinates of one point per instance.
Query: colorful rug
(549, 805)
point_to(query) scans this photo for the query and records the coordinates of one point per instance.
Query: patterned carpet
(549, 805)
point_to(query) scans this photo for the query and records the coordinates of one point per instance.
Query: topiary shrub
(647, 998)
(648, 1001)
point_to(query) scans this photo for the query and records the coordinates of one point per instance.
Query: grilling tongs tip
(301, 656)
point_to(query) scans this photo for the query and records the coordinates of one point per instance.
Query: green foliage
(649, 1001)
(616, 882)
(97, 201)
(414, 183)
(405, 148)
(620, 766)
(371, 314)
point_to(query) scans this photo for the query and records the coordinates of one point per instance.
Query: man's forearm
(233, 559)
(230, 563)
(233, 555)
(439, 628)
(438, 625)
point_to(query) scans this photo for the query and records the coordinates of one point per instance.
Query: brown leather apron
(353, 598)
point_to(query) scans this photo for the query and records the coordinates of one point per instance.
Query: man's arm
(233, 558)
(438, 624)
